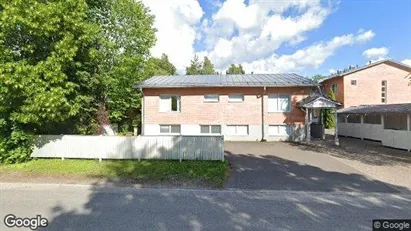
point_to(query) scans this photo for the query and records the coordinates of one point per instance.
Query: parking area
(289, 166)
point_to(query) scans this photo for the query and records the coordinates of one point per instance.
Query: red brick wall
(339, 95)
(368, 89)
(195, 111)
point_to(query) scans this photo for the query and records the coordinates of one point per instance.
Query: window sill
(272, 112)
(205, 101)
(236, 101)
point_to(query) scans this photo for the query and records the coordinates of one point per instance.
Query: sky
(306, 37)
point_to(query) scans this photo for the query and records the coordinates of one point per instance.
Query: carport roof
(246, 80)
(403, 108)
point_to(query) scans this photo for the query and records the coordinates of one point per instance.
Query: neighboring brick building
(240, 107)
(383, 82)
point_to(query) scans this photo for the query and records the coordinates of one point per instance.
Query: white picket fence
(130, 147)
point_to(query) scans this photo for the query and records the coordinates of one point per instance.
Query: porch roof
(318, 101)
(402, 108)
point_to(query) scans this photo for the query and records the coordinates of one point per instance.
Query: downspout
(142, 111)
(262, 116)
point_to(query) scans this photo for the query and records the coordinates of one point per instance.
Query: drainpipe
(262, 116)
(142, 111)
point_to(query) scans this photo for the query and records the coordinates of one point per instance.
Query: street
(82, 207)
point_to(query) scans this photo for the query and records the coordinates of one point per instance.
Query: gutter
(262, 116)
(142, 110)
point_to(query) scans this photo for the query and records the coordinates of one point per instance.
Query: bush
(16, 148)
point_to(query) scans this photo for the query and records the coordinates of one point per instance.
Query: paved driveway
(281, 166)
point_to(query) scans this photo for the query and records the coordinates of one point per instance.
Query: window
(334, 88)
(354, 82)
(279, 103)
(341, 118)
(355, 119)
(211, 98)
(395, 122)
(210, 129)
(236, 98)
(278, 130)
(170, 129)
(170, 103)
(384, 91)
(237, 130)
(372, 119)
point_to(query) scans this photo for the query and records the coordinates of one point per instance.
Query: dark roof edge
(137, 86)
(368, 66)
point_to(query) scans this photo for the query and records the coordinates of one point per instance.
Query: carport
(388, 123)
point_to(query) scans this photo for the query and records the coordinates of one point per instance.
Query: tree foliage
(127, 35)
(195, 67)
(207, 67)
(62, 61)
(233, 69)
(159, 66)
(328, 114)
(318, 78)
(200, 68)
(47, 69)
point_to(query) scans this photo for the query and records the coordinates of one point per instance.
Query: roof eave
(198, 86)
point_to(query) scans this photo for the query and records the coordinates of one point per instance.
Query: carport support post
(409, 126)
(322, 125)
(307, 125)
(337, 142)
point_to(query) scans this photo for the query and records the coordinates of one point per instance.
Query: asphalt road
(71, 207)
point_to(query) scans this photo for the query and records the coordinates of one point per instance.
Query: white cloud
(239, 33)
(373, 53)
(365, 36)
(309, 57)
(407, 62)
(176, 22)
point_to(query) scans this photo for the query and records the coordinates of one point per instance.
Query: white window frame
(236, 129)
(384, 86)
(236, 100)
(169, 129)
(277, 98)
(211, 100)
(287, 130)
(169, 99)
(210, 131)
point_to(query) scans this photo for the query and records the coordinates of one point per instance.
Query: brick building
(240, 107)
(383, 82)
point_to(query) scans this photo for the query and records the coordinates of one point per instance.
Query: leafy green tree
(64, 63)
(318, 78)
(233, 69)
(328, 114)
(156, 66)
(195, 67)
(48, 56)
(207, 67)
(127, 34)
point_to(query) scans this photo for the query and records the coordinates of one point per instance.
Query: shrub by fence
(131, 147)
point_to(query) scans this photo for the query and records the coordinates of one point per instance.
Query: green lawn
(208, 173)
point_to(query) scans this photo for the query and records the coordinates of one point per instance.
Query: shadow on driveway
(280, 166)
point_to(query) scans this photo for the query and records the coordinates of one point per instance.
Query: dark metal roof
(403, 108)
(355, 69)
(248, 80)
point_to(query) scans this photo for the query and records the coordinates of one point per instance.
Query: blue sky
(307, 37)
